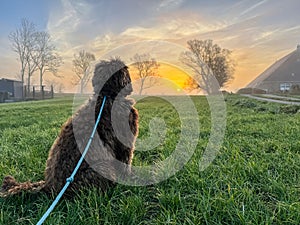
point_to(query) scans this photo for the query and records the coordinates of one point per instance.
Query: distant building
(282, 76)
(14, 88)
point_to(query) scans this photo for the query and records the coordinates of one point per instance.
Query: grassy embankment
(253, 180)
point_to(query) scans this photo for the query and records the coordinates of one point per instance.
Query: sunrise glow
(257, 32)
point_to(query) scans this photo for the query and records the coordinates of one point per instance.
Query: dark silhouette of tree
(81, 64)
(209, 62)
(146, 68)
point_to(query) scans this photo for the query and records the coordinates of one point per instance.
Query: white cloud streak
(253, 7)
(255, 27)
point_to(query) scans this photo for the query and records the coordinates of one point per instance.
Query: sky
(258, 32)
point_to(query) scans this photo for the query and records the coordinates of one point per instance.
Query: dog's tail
(11, 187)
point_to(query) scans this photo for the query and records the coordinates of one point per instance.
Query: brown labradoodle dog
(111, 151)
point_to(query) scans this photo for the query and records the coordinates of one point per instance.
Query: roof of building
(5, 79)
(287, 69)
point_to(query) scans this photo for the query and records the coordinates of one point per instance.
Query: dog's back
(116, 131)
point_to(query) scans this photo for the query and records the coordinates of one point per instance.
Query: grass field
(253, 180)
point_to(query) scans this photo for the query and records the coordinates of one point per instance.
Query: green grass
(253, 180)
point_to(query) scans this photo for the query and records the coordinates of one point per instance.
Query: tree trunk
(52, 92)
(81, 86)
(41, 78)
(142, 86)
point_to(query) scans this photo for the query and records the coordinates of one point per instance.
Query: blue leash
(71, 178)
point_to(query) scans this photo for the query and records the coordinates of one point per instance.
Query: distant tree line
(37, 52)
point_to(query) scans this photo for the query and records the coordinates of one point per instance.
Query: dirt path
(273, 100)
(281, 97)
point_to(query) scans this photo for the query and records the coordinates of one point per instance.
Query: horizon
(257, 32)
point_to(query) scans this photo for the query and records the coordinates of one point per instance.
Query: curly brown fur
(111, 79)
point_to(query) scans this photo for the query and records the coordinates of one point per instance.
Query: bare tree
(81, 64)
(21, 40)
(209, 62)
(146, 70)
(44, 55)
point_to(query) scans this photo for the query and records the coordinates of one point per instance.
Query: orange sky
(248, 66)
(246, 69)
(173, 73)
(169, 79)
(258, 32)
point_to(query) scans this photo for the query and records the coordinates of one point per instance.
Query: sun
(174, 74)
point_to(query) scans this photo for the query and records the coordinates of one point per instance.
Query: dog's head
(111, 78)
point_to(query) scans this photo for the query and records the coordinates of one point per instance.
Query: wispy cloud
(65, 23)
(253, 7)
(293, 29)
(256, 30)
(169, 4)
(174, 29)
(68, 18)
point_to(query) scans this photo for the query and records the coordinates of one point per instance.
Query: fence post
(1, 97)
(33, 92)
(25, 91)
(23, 94)
(52, 92)
(43, 93)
